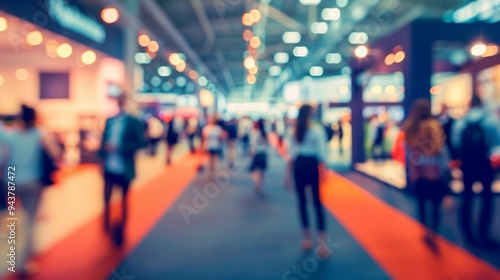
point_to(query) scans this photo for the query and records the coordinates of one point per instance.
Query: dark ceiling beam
(156, 12)
(199, 9)
(227, 74)
(285, 20)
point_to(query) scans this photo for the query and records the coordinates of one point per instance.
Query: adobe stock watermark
(310, 264)
(202, 196)
(122, 275)
(224, 6)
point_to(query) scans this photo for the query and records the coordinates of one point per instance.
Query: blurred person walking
(307, 149)
(29, 150)
(213, 137)
(244, 129)
(377, 131)
(122, 138)
(232, 136)
(281, 132)
(425, 140)
(191, 133)
(155, 131)
(476, 139)
(174, 129)
(259, 144)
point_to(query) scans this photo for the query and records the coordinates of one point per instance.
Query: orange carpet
(394, 240)
(89, 253)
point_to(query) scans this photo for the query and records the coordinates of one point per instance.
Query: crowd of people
(432, 146)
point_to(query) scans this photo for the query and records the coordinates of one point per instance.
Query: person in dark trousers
(232, 137)
(155, 132)
(307, 150)
(425, 140)
(191, 133)
(476, 139)
(340, 135)
(259, 143)
(377, 146)
(447, 123)
(172, 138)
(123, 136)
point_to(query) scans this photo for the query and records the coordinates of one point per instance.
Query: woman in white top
(307, 148)
(213, 136)
(259, 143)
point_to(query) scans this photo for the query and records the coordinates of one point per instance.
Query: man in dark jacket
(123, 136)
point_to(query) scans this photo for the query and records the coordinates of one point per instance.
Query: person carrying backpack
(476, 139)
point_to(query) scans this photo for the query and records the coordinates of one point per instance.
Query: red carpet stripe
(89, 253)
(394, 240)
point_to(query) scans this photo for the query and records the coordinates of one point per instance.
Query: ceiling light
(164, 71)
(155, 81)
(181, 81)
(316, 71)
(249, 62)
(88, 57)
(174, 59)
(247, 35)
(330, 14)
(256, 15)
(346, 70)
(22, 74)
(193, 75)
(389, 59)
(343, 89)
(3, 24)
(281, 57)
(51, 48)
(274, 70)
(254, 70)
(389, 90)
(399, 57)
(478, 49)
(358, 38)
(491, 50)
(143, 40)
(64, 50)
(34, 38)
(255, 42)
(202, 81)
(110, 15)
(142, 58)
(153, 46)
(377, 89)
(333, 58)
(251, 79)
(181, 66)
(342, 3)
(247, 19)
(291, 37)
(361, 51)
(300, 51)
(310, 2)
(319, 27)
